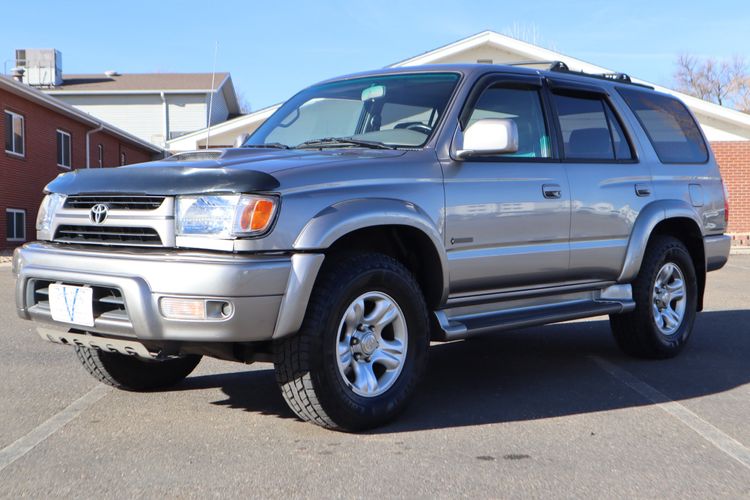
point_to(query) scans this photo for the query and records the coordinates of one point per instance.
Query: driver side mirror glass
(487, 137)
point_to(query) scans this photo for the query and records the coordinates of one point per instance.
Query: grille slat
(108, 234)
(108, 302)
(115, 202)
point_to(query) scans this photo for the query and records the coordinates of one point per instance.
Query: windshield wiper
(342, 141)
(270, 145)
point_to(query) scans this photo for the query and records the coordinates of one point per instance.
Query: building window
(14, 134)
(63, 149)
(100, 154)
(16, 224)
(123, 159)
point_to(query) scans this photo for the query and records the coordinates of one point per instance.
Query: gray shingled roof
(141, 81)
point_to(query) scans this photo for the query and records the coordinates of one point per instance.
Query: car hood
(211, 171)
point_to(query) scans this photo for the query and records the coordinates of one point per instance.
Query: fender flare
(342, 218)
(648, 218)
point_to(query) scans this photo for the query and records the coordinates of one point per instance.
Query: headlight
(47, 210)
(225, 216)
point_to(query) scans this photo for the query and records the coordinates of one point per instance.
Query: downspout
(88, 143)
(165, 107)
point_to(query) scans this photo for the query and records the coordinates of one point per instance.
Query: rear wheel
(362, 347)
(132, 373)
(665, 293)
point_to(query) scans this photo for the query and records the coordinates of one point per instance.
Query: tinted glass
(396, 110)
(63, 149)
(8, 125)
(669, 126)
(585, 128)
(524, 107)
(622, 146)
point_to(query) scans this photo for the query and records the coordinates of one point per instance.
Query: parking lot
(552, 411)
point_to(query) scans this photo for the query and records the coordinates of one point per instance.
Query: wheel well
(408, 245)
(687, 231)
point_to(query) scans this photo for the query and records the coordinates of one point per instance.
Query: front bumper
(255, 285)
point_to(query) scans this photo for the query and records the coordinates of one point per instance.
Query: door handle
(552, 191)
(642, 190)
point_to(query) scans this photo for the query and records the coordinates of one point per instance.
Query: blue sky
(273, 49)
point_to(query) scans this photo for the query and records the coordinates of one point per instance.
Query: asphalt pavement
(555, 411)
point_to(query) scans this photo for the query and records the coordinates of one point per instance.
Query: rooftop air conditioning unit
(43, 66)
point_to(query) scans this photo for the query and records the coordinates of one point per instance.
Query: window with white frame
(63, 149)
(15, 224)
(15, 140)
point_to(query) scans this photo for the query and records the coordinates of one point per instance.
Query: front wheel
(132, 373)
(666, 294)
(362, 347)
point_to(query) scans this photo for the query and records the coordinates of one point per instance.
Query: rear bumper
(717, 251)
(254, 285)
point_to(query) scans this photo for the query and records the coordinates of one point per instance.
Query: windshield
(380, 111)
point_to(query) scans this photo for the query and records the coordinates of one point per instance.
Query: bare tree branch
(720, 81)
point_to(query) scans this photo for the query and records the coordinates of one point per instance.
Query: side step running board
(465, 326)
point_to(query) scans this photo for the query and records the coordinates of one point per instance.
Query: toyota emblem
(99, 213)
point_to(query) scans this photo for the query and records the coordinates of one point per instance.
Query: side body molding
(649, 217)
(342, 218)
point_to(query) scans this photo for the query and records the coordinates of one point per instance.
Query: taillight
(726, 203)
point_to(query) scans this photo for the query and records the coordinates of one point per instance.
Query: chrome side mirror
(488, 136)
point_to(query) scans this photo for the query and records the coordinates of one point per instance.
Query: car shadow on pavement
(536, 373)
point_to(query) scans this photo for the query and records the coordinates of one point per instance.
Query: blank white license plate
(71, 304)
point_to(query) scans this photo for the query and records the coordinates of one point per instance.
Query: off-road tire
(131, 373)
(306, 364)
(636, 332)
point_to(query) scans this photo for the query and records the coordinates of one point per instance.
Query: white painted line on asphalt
(22, 446)
(708, 431)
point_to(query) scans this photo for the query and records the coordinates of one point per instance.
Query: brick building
(734, 161)
(42, 138)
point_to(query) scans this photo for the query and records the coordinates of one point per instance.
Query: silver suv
(375, 213)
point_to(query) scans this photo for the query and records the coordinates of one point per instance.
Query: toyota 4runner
(375, 213)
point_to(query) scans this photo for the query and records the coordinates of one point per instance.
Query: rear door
(608, 184)
(508, 216)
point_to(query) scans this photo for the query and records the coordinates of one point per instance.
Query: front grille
(112, 235)
(108, 302)
(115, 202)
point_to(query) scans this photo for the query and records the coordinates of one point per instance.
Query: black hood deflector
(163, 180)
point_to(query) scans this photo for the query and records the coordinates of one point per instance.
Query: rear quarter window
(671, 129)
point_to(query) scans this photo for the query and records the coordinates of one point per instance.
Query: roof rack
(551, 65)
(561, 67)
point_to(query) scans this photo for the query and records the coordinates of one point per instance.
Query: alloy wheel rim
(669, 299)
(371, 344)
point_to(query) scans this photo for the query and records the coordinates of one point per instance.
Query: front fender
(651, 215)
(342, 218)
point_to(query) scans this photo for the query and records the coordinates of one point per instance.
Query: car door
(608, 185)
(507, 219)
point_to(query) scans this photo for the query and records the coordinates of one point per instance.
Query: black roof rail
(551, 65)
(561, 67)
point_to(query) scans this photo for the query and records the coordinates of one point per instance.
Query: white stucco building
(155, 107)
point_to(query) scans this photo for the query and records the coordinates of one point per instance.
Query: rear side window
(669, 126)
(590, 130)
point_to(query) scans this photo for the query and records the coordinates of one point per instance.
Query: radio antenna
(211, 95)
